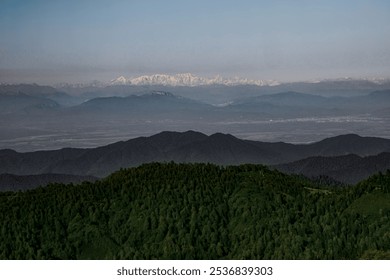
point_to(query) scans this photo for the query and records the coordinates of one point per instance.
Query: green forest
(198, 211)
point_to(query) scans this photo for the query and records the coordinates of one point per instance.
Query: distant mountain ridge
(34, 91)
(292, 99)
(150, 106)
(11, 103)
(190, 146)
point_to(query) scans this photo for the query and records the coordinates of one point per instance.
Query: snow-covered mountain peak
(119, 80)
(187, 79)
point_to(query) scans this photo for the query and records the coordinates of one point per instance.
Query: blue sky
(51, 41)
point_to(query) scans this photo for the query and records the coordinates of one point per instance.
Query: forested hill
(198, 211)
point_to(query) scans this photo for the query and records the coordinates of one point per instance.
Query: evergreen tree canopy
(198, 211)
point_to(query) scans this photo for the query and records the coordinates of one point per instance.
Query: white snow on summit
(187, 79)
(120, 80)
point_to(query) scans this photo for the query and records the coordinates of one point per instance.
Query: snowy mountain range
(188, 79)
(191, 80)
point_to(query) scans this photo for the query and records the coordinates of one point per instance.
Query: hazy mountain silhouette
(296, 103)
(188, 146)
(38, 91)
(153, 102)
(20, 103)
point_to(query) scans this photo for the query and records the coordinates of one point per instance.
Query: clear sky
(51, 41)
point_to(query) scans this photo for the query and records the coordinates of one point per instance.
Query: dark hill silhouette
(346, 169)
(351, 144)
(187, 146)
(10, 182)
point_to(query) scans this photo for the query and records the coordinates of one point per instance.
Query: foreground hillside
(198, 211)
